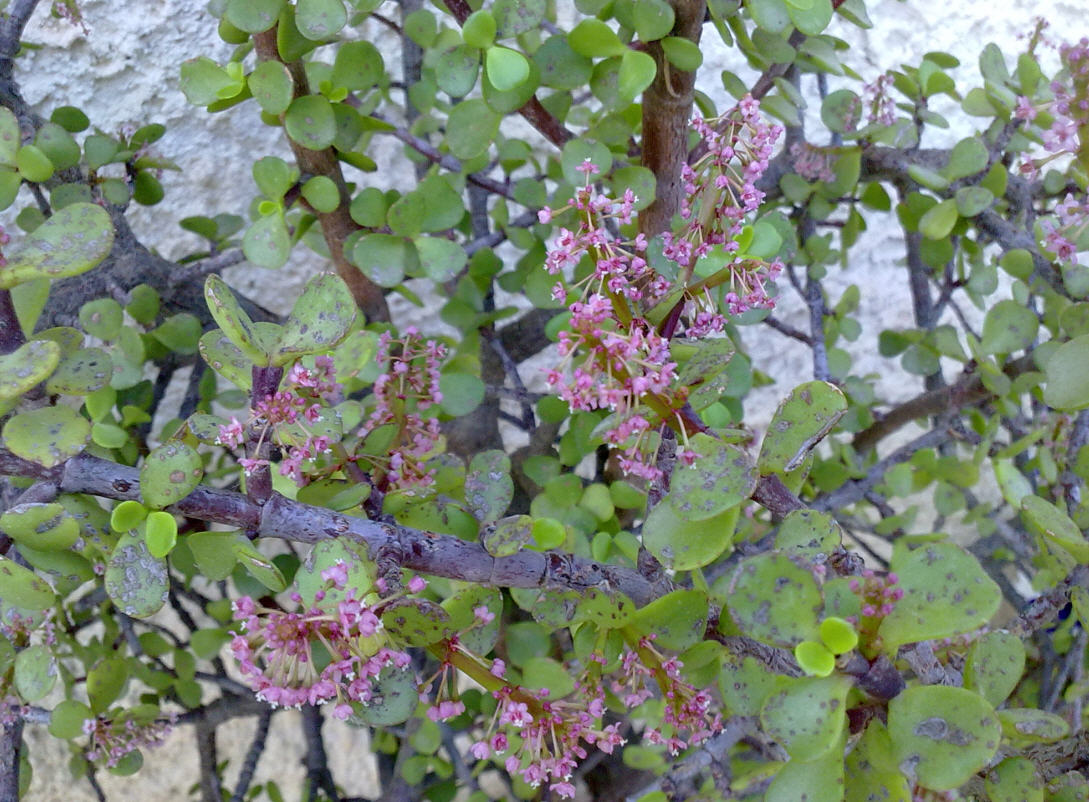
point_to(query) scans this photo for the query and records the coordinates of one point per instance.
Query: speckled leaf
(205, 427)
(817, 780)
(321, 318)
(72, 241)
(169, 474)
(267, 242)
(745, 684)
(40, 526)
(233, 320)
(1055, 525)
(253, 16)
(48, 435)
(461, 607)
(507, 536)
(35, 673)
(416, 622)
(393, 701)
(994, 666)
(802, 420)
(26, 366)
(682, 544)
(65, 569)
(1029, 725)
(871, 771)
(457, 69)
(946, 592)
(488, 486)
(135, 581)
(808, 532)
(83, 372)
(326, 554)
(678, 619)
(722, 476)
(1014, 780)
(806, 717)
(224, 358)
(941, 735)
(775, 600)
(319, 20)
(19, 587)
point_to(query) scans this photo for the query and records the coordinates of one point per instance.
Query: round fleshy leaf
(72, 241)
(1014, 780)
(169, 474)
(814, 658)
(838, 635)
(775, 600)
(33, 164)
(102, 318)
(678, 619)
(160, 533)
(21, 588)
(488, 486)
(545, 674)
(321, 193)
(384, 258)
(941, 735)
(10, 137)
(83, 372)
(994, 666)
(807, 716)
(1067, 380)
(745, 684)
(35, 673)
(136, 581)
(47, 527)
(47, 436)
(650, 19)
(946, 593)
(257, 564)
(214, 553)
(441, 259)
(479, 29)
(507, 536)
(270, 84)
(1008, 327)
(267, 242)
(310, 122)
(505, 68)
(721, 476)
(394, 698)
(457, 69)
(127, 515)
(871, 772)
(320, 20)
(27, 366)
(321, 318)
(802, 420)
(326, 554)
(470, 128)
(66, 720)
(683, 544)
(105, 682)
(462, 608)
(637, 71)
(253, 16)
(818, 780)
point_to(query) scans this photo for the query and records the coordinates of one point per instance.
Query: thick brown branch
(338, 224)
(667, 106)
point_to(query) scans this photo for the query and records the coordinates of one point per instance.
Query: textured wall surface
(124, 70)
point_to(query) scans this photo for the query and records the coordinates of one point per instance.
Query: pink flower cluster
(687, 709)
(618, 360)
(877, 101)
(812, 163)
(112, 739)
(721, 193)
(299, 404)
(276, 651)
(879, 595)
(409, 388)
(549, 737)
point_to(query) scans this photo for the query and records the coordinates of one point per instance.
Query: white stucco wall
(125, 70)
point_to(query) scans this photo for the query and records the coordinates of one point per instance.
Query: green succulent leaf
(136, 581)
(72, 241)
(807, 716)
(48, 435)
(803, 419)
(170, 473)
